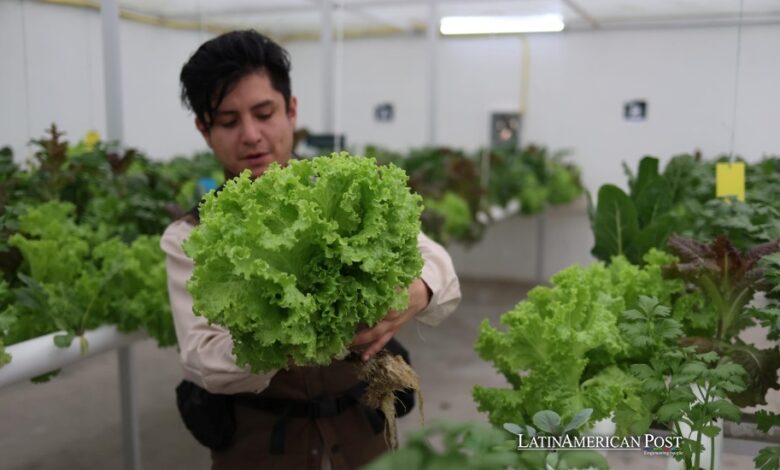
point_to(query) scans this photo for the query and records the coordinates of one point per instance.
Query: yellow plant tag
(730, 180)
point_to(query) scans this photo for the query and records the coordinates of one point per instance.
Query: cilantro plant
(479, 446)
(768, 458)
(442, 445)
(680, 385)
(549, 423)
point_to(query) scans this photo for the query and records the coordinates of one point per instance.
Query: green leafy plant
(79, 235)
(472, 446)
(532, 176)
(681, 199)
(562, 345)
(448, 218)
(7, 319)
(631, 225)
(745, 224)
(77, 279)
(479, 446)
(293, 262)
(768, 458)
(728, 279)
(549, 423)
(678, 385)
(682, 386)
(769, 316)
(446, 178)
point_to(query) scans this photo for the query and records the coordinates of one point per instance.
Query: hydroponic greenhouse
(389, 234)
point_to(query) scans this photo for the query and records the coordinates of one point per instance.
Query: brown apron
(348, 439)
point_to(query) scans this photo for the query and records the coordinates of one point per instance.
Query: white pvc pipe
(39, 355)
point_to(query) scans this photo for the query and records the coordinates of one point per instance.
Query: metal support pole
(112, 79)
(127, 398)
(433, 39)
(541, 225)
(328, 63)
(112, 73)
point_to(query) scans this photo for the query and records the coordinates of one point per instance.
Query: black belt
(324, 406)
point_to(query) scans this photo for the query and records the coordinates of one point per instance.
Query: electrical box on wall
(384, 112)
(635, 110)
(505, 130)
(326, 143)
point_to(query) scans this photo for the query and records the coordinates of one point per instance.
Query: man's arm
(206, 351)
(432, 298)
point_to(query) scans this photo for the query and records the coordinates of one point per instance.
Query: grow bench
(39, 356)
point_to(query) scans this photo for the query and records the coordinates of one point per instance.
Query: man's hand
(374, 339)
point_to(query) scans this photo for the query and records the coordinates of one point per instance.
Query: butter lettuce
(292, 263)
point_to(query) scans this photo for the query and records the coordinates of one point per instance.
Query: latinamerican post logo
(649, 443)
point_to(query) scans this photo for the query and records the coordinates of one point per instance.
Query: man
(238, 86)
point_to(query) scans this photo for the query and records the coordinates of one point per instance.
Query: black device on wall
(326, 143)
(505, 130)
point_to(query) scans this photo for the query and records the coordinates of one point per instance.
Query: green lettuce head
(295, 261)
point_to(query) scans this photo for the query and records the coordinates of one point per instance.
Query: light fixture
(456, 25)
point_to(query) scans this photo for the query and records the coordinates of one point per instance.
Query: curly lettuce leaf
(79, 279)
(138, 296)
(561, 344)
(294, 262)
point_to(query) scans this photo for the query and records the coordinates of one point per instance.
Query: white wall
(578, 82)
(59, 79)
(64, 79)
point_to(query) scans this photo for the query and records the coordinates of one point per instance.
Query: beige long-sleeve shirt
(206, 351)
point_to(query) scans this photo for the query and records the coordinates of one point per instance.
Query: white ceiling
(304, 16)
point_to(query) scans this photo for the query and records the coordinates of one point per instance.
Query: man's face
(251, 127)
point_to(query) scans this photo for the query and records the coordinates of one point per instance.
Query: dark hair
(218, 64)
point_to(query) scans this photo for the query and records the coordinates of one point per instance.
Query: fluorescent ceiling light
(453, 25)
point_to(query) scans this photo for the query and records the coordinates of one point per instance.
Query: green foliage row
(79, 239)
(456, 189)
(681, 199)
(653, 336)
